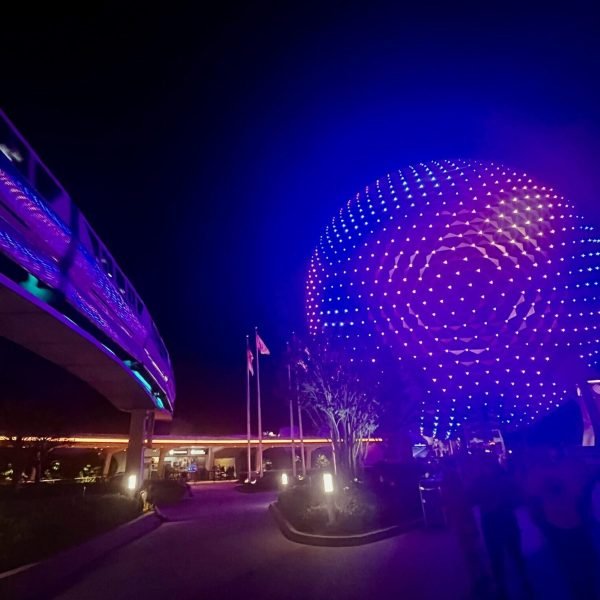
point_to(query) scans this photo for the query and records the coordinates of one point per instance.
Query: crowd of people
(555, 492)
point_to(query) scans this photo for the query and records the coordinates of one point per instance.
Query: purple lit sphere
(479, 279)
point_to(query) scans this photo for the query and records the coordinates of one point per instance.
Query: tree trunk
(38, 466)
(334, 457)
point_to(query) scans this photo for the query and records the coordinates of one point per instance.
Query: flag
(261, 347)
(250, 358)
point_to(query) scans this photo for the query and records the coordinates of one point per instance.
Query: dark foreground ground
(223, 544)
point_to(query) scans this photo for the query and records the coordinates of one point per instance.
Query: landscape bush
(162, 492)
(377, 502)
(36, 523)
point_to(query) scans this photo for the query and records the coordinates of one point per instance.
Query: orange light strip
(180, 441)
(69, 440)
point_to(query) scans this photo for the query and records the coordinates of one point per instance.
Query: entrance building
(200, 458)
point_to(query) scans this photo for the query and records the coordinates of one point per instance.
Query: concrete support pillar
(139, 430)
(309, 451)
(161, 462)
(108, 454)
(120, 456)
(210, 459)
(148, 447)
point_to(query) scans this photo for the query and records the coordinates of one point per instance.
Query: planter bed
(354, 509)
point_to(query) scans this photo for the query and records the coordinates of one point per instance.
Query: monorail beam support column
(140, 427)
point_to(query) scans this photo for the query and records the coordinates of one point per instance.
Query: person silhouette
(495, 493)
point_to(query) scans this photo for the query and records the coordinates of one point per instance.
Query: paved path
(223, 544)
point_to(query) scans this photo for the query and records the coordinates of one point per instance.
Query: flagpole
(260, 431)
(248, 415)
(300, 428)
(291, 414)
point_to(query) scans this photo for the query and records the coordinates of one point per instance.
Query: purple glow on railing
(36, 233)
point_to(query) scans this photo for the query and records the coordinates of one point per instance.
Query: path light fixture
(284, 479)
(328, 483)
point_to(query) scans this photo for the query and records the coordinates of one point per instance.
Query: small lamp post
(328, 483)
(132, 482)
(329, 488)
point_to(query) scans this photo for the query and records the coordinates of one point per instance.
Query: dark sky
(208, 149)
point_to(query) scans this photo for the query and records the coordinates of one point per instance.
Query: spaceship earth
(480, 280)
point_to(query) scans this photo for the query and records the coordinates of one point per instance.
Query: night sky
(209, 149)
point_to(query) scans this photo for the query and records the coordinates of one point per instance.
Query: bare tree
(340, 397)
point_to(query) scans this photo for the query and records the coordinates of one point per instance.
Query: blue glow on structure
(32, 285)
(157, 400)
(476, 277)
(143, 381)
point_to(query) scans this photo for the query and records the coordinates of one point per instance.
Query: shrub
(33, 527)
(304, 508)
(358, 507)
(165, 491)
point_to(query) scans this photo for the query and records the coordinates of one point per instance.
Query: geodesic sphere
(475, 276)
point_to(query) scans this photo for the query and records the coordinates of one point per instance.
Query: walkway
(223, 544)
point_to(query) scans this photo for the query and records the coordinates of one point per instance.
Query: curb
(47, 577)
(336, 541)
(161, 515)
